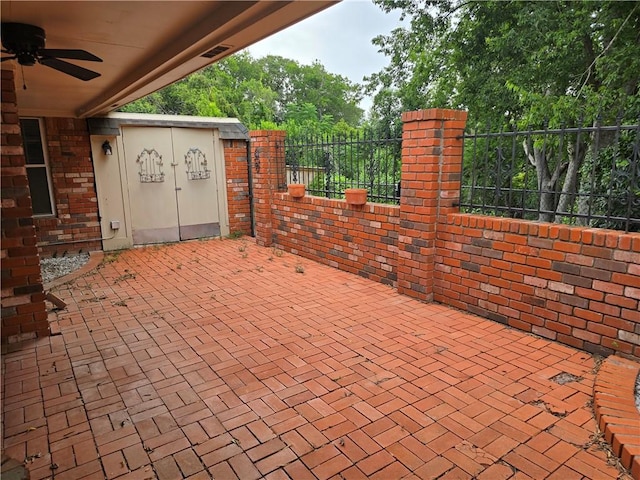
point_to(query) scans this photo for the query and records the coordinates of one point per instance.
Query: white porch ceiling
(144, 45)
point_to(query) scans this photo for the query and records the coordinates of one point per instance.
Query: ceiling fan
(25, 43)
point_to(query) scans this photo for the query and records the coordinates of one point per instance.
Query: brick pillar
(24, 313)
(235, 159)
(431, 172)
(268, 171)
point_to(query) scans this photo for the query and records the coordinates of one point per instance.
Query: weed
(299, 268)
(277, 252)
(597, 363)
(121, 303)
(235, 235)
(242, 247)
(179, 266)
(245, 255)
(597, 441)
(126, 276)
(95, 299)
(111, 257)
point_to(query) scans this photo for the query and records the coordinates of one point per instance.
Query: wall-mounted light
(106, 148)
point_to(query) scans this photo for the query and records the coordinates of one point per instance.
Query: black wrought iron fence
(328, 165)
(584, 175)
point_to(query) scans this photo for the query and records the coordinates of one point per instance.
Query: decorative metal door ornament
(150, 166)
(196, 165)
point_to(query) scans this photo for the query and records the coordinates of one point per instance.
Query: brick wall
(580, 286)
(357, 239)
(24, 313)
(237, 177)
(75, 225)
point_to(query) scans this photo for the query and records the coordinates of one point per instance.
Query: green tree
(258, 92)
(519, 64)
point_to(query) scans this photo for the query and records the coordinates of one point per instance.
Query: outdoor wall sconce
(106, 148)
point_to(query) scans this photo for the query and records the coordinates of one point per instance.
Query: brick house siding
(24, 312)
(75, 225)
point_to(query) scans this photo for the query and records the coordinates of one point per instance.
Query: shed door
(172, 186)
(195, 183)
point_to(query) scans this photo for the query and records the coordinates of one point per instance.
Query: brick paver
(222, 359)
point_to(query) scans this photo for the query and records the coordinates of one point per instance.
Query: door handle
(178, 189)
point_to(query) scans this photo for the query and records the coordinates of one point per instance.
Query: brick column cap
(269, 133)
(434, 114)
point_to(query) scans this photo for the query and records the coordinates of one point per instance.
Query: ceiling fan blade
(69, 69)
(70, 54)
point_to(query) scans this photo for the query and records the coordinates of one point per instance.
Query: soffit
(145, 45)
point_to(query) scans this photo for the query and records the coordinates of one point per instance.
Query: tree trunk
(547, 201)
(568, 195)
(546, 182)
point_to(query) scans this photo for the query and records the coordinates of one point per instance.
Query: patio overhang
(144, 45)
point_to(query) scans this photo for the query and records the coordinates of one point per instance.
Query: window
(37, 168)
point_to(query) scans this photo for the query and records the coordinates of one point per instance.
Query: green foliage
(509, 61)
(271, 92)
(515, 64)
(614, 182)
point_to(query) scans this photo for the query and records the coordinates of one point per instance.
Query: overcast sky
(338, 37)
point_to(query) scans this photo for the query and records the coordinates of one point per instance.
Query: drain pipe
(250, 181)
(73, 242)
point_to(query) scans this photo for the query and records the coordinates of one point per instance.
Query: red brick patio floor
(221, 359)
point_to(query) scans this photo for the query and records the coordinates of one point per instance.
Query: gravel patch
(53, 268)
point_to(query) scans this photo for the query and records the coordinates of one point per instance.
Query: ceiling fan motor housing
(24, 41)
(26, 45)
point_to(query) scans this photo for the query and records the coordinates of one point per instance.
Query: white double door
(173, 179)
